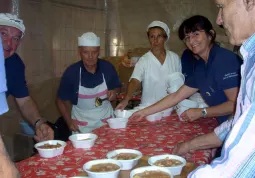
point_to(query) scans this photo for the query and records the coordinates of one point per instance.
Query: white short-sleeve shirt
(152, 74)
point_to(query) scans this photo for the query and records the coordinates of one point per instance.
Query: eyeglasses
(192, 35)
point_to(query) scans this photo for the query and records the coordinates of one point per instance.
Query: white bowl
(173, 77)
(150, 168)
(154, 117)
(117, 123)
(50, 153)
(176, 170)
(79, 140)
(123, 114)
(126, 164)
(177, 83)
(111, 174)
(196, 97)
(188, 103)
(167, 112)
(202, 105)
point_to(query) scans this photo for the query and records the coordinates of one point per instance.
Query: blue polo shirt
(69, 84)
(15, 77)
(188, 62)
(221, 72)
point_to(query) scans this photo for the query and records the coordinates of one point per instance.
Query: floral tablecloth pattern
(150, 138)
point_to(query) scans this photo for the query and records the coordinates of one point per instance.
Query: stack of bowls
(118, 123)
(198, 98)
(185, 105)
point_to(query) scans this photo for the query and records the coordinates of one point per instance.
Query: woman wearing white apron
(153, 67)
(82, 83)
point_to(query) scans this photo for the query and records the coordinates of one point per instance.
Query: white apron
(86, 114)
(154, 83)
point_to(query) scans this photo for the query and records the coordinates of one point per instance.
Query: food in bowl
(152, 174)
(167, 162)
(104, 167)
(50, 146)
(45, 149)
(125, 156)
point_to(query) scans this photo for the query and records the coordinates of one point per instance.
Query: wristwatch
(204, 112)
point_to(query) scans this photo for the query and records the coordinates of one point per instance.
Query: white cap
(10, 20)
(89, 39)
(162, 25)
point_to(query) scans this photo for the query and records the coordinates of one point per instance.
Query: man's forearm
(28, 109)
(133, 85)
(223, 109)
(63, 108)
(206, 141)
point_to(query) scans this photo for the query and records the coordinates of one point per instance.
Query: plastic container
(172, 89)
(122, 114)
(175, 170)
(167, 112)
(172, 78)
(150, 168)
(126, 164)
(188, 103)
(155, 117)
(86, 140)
(53, 152)
(26, 128)
(110, 174)
(117, 123)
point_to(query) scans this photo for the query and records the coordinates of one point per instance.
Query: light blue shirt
(3, 103)
(237, 158)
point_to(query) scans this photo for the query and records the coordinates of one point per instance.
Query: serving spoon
(99, 101)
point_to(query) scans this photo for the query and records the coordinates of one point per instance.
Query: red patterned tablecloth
(150, 138)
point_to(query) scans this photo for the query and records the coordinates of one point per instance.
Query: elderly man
(12, 31)
(237, 135)
(83, 83)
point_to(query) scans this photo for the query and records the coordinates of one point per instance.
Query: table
(150, 138)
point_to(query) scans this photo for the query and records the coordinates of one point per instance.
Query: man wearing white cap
(85, 81)
(153, 67)
(12, 30)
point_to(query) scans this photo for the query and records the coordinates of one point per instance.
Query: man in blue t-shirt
(83, 83)
(12, 31)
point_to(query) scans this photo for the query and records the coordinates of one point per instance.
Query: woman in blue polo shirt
(83, 82)
(216, 75)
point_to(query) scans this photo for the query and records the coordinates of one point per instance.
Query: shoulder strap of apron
(80, 78)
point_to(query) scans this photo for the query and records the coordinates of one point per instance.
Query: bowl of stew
(102, 168)
(151, 172)
(173, 163)
(127, 157)
(50, 148)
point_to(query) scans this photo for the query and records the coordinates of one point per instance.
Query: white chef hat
(89, 39)
(162, 25)
(10, 20)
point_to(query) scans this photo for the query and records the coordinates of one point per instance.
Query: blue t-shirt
(188, 62)
(69, 85)
(15, 75)
(221, 72)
